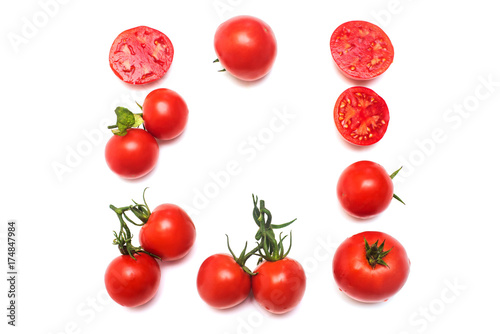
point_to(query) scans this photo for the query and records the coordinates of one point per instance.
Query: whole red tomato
(280, 285)
(165, 114)
(133, 155)
(370, 267)
(132, 282)
(222, 283)
(169, 233)
(246, 47)
(364, 189)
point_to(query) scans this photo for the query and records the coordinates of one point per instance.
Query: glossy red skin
(361, 116)
(132, 282)
(357, 279)
(361, 45)
(364, 189)
(221, 282)
(132, 156)
(279, 286)
(165, 114)
(246, 47)
(169, 233)
(141, 55)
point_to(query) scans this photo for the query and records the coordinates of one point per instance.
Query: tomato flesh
(141, 55)
(169, 233)
(132, 282)
(361, 116)
(359, 280)
(361, 49)
(221, 282)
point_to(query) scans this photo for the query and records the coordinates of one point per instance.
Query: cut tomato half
(141, 55)
(361, 50)
(361, 116)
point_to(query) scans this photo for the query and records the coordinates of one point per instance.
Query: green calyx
(269, 248)
(123, 238)
(375, 254)
(392, 176)
(242, 259)
(125, 119)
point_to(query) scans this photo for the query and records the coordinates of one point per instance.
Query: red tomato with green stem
(246, 47)
(132, 282)
(361, 50)
(279, 282)
(364, 189)
(165, 114)
(279, 286)
(361, 116)
(371, 267)
(141, 55)
(133, 154)
(168, 233)
(133, 278)
(223, 280)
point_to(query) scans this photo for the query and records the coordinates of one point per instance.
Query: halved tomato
(361, 49)
(361, 116)
(141, 55)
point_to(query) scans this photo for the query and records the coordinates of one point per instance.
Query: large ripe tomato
(246, 47)
(165, 113)
(361, 116)
(169, 233)
(222, 283)
(366, 272)
(361, 49)
(364, 189)
(132, 282)
(133, 155)
(141, 55)
(280, 285)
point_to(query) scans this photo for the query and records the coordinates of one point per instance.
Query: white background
(57, 86)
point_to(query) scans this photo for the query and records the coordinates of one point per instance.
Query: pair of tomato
(278, 286)
(136, 153)
(169, 234)
(362, 51)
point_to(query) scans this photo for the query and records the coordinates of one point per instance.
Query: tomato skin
(165, 114)
(355, 276)
(361, 116)
(364, 189)
(221, 282)
(132, 282)
(141, 55)
(279, 286)
(169, 233)
(246, 47)
(361, 50)
(133, 155)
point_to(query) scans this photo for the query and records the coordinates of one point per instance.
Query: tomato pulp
(141, 55)
(361, 116)
(361, 50)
